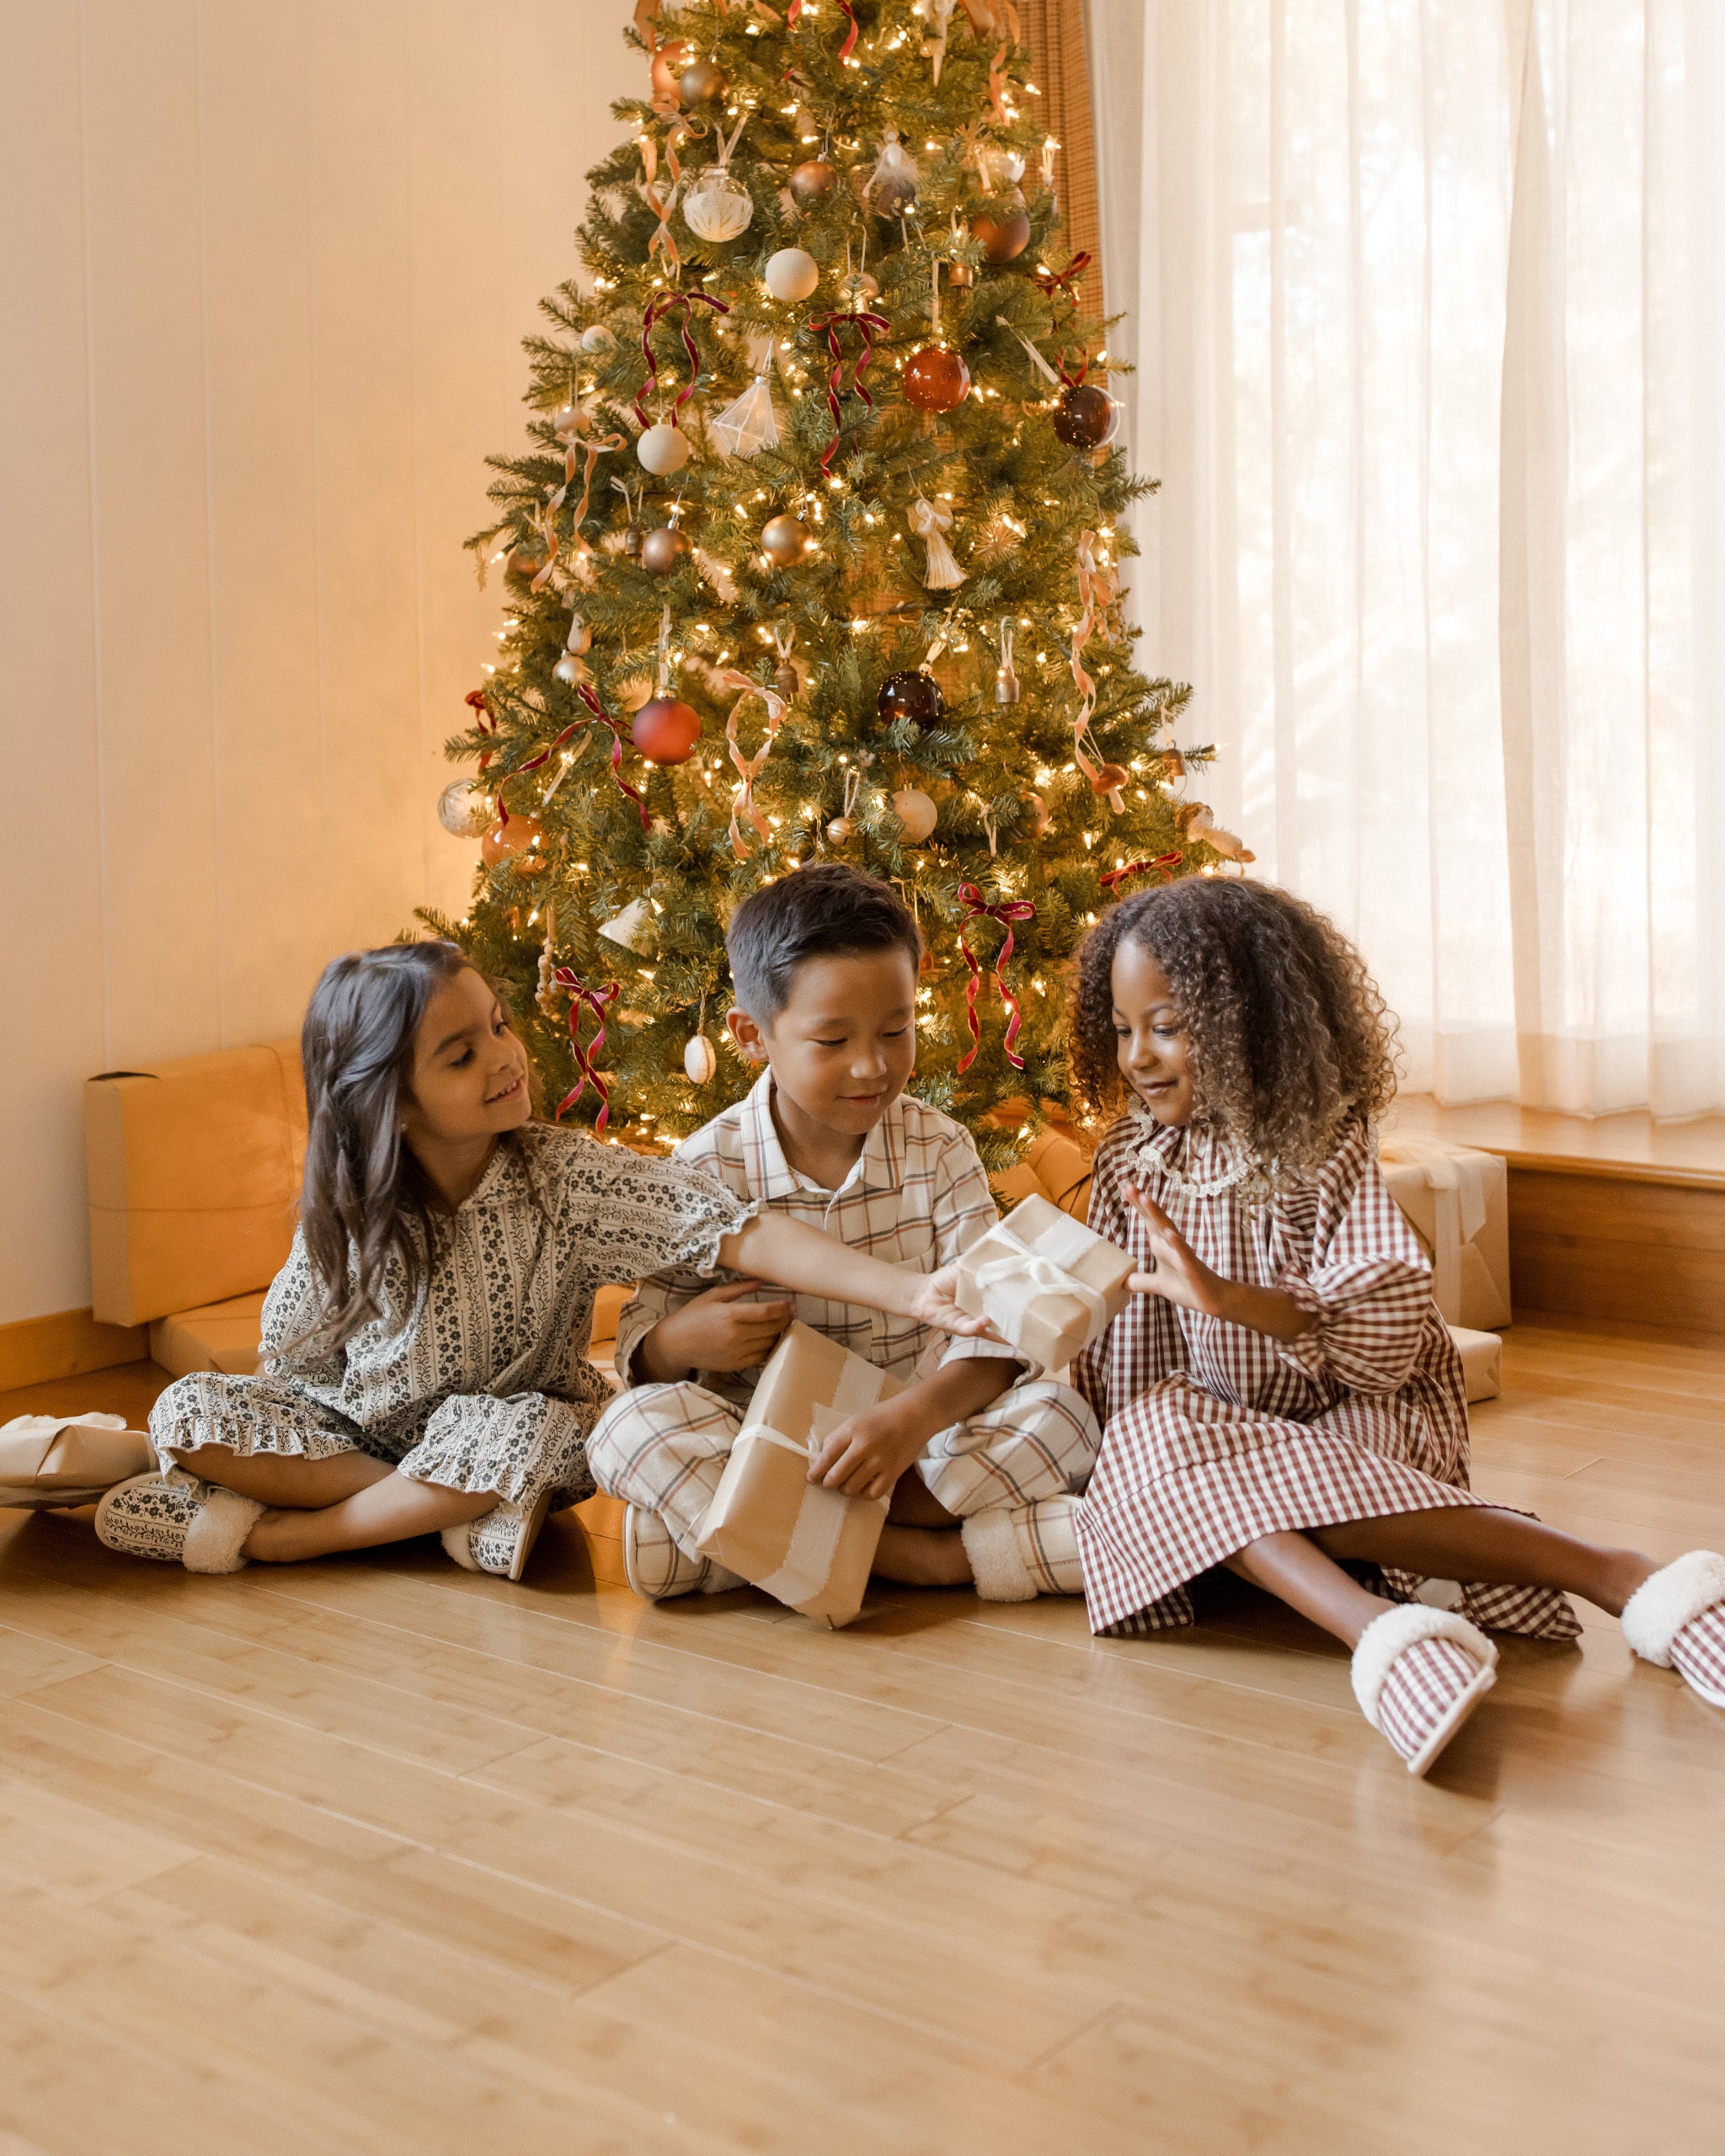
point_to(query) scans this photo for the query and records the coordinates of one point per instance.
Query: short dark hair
(828, 911)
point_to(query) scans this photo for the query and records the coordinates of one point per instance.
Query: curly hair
(1289, 1039)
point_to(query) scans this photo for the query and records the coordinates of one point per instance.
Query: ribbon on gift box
(821, 1517)
(1027, 1274)
(1457, 1183)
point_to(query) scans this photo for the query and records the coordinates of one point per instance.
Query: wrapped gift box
(1048, 1285)
(810, 1547)
(1482, 1362)
(1457, 1201)
(67, 1459)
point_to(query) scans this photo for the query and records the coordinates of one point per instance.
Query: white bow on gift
(930, 524)
(1027, 1274)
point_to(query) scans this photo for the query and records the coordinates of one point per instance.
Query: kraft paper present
(810, 1547)
(60, 1459)
(1482, 1362)
(1456, 1200)
(1048, 1285)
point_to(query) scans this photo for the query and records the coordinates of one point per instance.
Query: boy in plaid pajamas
(825, 964)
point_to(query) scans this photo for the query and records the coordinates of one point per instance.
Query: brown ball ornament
(813, 183)
(936, 379)
(1004, 238)
(663, 548)
(520, 842)
(1084, 417)
(785, 540)
(703, 81)
(911, 695)
(665, 731)
(524, 565)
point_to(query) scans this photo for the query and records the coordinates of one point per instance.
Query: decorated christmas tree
(813, 552)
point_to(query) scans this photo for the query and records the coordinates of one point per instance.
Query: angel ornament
(931, 525)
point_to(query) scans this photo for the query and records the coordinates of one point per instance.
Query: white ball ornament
(464, 809)
(597, 338)
(700, 1061)
(915, 812)
(792, 273)
(663, 449)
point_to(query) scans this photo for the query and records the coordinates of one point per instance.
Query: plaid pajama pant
(663, 1447)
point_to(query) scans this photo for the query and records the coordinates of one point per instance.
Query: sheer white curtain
(1422, 301)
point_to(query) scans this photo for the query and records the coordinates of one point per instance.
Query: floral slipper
(178, 1519)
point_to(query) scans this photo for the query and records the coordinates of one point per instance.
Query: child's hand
(1180, 1274)
(936, 1303)
(718, 1330)
(868, 1453)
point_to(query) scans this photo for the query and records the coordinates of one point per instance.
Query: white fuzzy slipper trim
(997, 1563)
(215, 1537)
(1388, 1637)
(455, 1543)
(1675, 1596)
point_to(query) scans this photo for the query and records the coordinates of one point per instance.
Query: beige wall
(264, 265)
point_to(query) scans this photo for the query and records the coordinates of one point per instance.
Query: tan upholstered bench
(194, 1171)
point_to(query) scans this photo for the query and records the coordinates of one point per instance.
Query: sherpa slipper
(1017, 1552)
(178, 1519)
(1418, 1674)
(499, 1541)
(1676, 1620)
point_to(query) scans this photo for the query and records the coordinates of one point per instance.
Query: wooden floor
(373, 1855)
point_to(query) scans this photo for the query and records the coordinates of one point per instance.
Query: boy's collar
(879, 1166)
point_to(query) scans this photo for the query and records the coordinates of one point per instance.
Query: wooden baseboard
(1613, 1246)
(36, 1350)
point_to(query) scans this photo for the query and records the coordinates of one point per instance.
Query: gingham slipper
(1418, 1674)
(1677, 1621)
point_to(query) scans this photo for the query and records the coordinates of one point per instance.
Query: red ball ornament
(1003, 238)
(911, 695)
(520, 841)
(1084, 419)
(936, 379)
(665, 731)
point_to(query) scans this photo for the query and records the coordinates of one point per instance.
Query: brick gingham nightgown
(1215, 1435)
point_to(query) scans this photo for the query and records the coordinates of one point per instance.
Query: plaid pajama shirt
(1215, 1435)
(918, 1196)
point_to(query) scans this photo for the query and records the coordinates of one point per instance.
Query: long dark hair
(1290, 1037)
(366, 1200)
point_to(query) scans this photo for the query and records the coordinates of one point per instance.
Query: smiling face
(1151, 1042)
(844, 1045)
(469, 1077)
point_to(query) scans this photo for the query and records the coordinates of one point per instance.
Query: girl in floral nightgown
(1282, 1397)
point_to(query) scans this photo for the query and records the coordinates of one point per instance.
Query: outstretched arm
(771, 1247)
(1182, 1277)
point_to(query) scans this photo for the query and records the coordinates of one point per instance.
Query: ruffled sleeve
(629, 1216)
(1368, 1284)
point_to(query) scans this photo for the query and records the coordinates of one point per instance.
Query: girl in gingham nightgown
(1281, 1396)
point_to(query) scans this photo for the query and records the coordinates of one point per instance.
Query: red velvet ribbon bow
(1072, 380)
(583, 998)
(1061, 281)
(1115, 877)
(604, 717)
(482, 714)
(1008, 911)
(658, 308)
(849, 45)
(829, 325)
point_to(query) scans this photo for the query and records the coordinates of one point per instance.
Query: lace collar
(1193, 1160)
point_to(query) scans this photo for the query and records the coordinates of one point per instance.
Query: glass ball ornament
(520, 842)
(663, 449)
(1003, 237)
(936, 379)
(700, 1059)
(792, 273)
(570, 671)
(596, 338)
(524, 565)
(785, 540)
(916, 813)
(1002, 168)
(813, 183)
(665, 731)
(1086, 417)
(663, 548)
(703, 81)
(858, 290)
(465, 809)
(717, 207)
(911, 695)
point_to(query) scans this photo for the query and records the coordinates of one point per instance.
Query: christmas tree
(815, 552)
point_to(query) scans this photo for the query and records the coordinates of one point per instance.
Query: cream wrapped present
(1482, 1362)
(809, 1546)
(1047, 1283)
(1457, 1201)
(68, 1459)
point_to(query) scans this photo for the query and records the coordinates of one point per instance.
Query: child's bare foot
(923, 1556)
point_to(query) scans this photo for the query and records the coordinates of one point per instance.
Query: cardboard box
(810, 1547)
(1047, 1283)
(1456, 1200)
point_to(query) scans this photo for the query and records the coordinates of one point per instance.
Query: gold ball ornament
(935, 379)
(785, 540)
(792, 273)
(916, 813)
(841, 829)
(700, 1059)
(520, 842)
(703, 81)
(525, 565)
(663, 548)
(568, 421)
(813, 183)
(663, 449)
